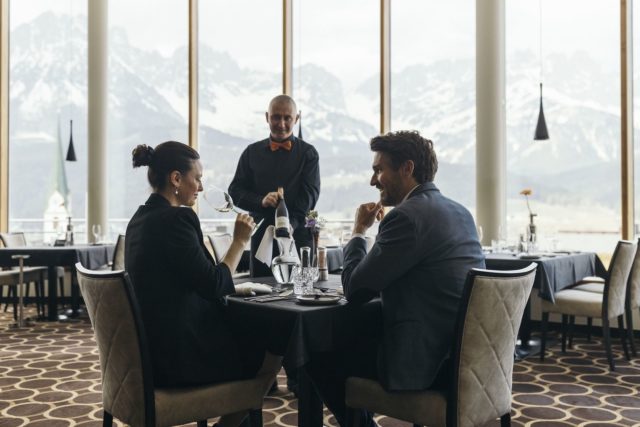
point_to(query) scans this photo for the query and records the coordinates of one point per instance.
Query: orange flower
(526, 192)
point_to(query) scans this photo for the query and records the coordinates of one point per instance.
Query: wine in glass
(96, 230)
(221, 201)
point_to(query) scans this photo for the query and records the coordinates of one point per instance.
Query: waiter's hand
(243, 228)
(271, 200)
(365, 216)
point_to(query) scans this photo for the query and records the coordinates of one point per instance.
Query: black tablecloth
(555, 272)
(305, 328)
(90, 256)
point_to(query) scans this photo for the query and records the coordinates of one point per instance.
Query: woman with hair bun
(178, 287)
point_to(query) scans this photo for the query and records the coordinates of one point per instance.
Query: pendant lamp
(71, 152)
(541, 132)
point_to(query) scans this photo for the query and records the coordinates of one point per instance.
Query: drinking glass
(221, 201)
(96, 230)
(479, 229)
(307, 273)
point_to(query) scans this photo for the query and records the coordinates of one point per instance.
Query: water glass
(297, 277)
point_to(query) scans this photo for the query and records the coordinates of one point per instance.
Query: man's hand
(271, 200)
(243, 228)
(365, 216)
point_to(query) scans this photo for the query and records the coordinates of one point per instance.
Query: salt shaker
(323, 271)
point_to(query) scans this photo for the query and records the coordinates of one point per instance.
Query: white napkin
(265, 249)
(248, 288)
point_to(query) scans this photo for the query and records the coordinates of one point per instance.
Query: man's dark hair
(408, 145)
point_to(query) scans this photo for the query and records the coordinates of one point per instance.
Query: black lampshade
(71, 152)
(300, 125)
(541, 128)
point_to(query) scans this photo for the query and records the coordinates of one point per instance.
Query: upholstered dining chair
(118, 254)
(632, 299)
(480, 389)
(608, 305)
(127, 383)
(33, 275)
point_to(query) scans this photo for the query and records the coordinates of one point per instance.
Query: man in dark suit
(424, 248)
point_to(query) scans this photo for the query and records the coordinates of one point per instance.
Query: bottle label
(282, 222)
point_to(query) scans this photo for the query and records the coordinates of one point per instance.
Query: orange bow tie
(275, 146)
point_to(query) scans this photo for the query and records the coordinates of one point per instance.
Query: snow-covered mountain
(148, 104)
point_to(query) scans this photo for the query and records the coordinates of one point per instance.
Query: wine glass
(221, 201)
(96, 230)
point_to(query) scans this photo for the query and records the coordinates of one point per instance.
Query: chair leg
(564, 333)
(629, 314)
(572, 321)
(202, 423)
(589, 325)
(623, 336)
(505, 420)
(607, 342)
(39, 299)
(61, 291)
(353, 417)
(543, 333)
(255, 418)
(107, 419)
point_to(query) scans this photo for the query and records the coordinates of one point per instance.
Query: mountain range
(148, 104)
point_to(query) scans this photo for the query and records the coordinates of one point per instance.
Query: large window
(47, 81)
(575, 175)
(337, 86)
(433, 85)
(148, 92)
(240, 71)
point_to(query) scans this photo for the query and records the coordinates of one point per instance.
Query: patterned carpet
(49, 376)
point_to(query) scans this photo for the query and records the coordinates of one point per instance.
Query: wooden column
(626, 113)
(385, 66)
(287, 47)
(193, 74)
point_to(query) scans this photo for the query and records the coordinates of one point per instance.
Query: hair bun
(142, 155)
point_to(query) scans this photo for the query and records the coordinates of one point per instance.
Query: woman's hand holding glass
(221, 201)
(243, 228)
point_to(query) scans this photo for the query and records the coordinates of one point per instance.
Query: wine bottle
(68, 238)
(282, 216)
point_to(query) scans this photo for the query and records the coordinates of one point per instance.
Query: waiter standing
(282, 160)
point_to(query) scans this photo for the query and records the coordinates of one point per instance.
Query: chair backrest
(615, 285)
(220, 244)
(118, 254)
(13, 240)
(634, 281)
(486, 332)
(127, 384)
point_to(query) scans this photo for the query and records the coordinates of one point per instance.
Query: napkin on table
(250, 288)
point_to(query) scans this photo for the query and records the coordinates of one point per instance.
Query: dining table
(310, 328)
(556, 271)
(90, 256)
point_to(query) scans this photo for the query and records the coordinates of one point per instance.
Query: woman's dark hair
(408, 145)
(165, 158)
